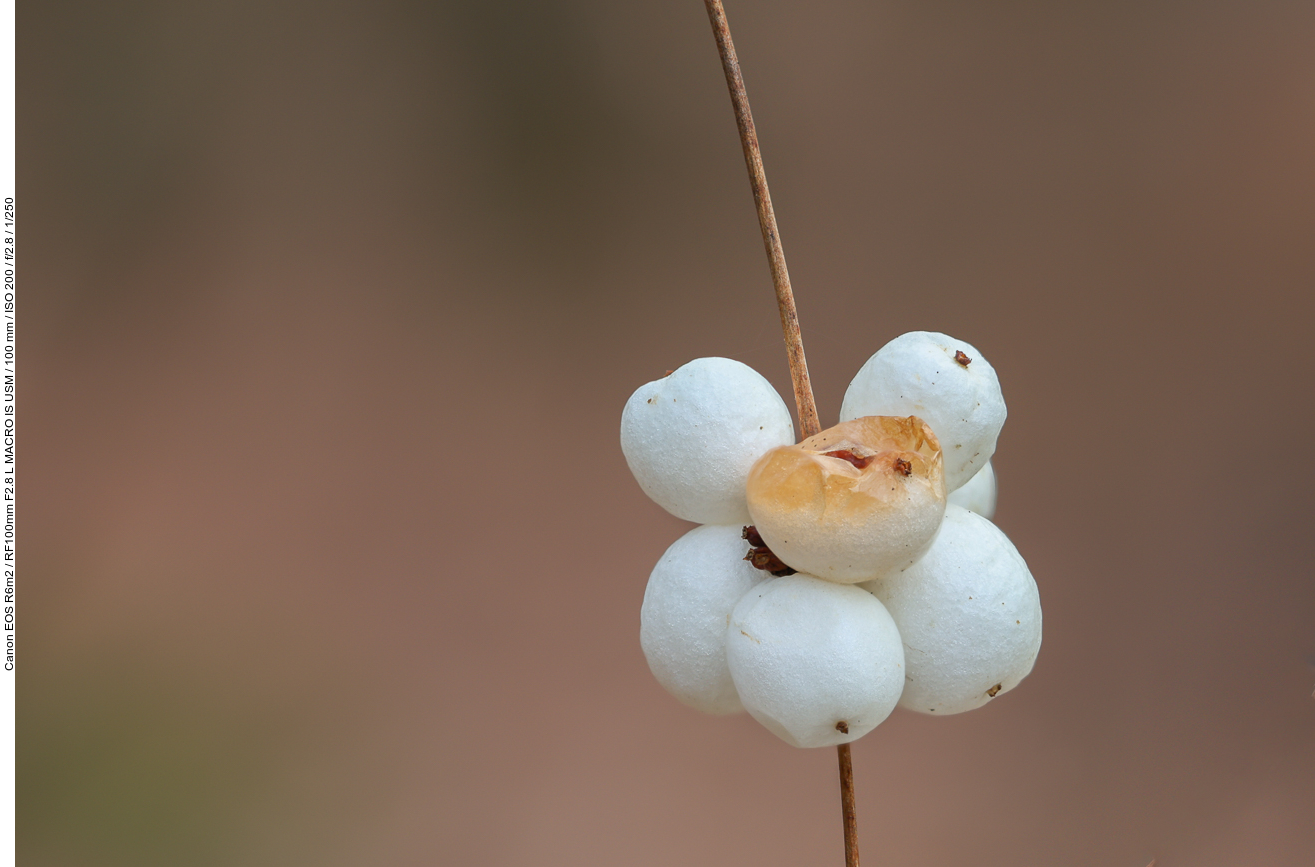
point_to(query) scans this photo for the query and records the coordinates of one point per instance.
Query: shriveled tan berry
(852, 502)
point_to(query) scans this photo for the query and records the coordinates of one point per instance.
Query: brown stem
(794, 342)
(848, 812)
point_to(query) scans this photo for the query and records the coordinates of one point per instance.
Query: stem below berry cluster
(794, 342)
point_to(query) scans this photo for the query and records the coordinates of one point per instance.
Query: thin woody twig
(794, 343)
(848, 812)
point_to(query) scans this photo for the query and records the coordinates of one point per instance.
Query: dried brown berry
(961, 358)
(762, 558)
(751, 536)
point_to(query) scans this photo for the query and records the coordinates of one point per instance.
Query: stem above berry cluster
(794, 343)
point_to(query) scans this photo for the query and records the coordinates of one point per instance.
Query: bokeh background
(330, 555)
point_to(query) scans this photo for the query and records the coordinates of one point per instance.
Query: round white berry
(969, 614)
(687, 607)
(853, 502)
(978, 494)
(691, 437)
(815, 662)
(944, 381)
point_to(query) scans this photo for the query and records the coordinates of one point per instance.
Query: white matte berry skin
(691, 437)
(807, 655)
(978, 494)
(825, 516)
(687, 607)
(969, 614)
(917, 374)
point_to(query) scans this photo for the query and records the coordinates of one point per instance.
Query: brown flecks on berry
(903, 467)
(842, 727)
(993, 690)
(848, 455)
(750, 535)
(961, 358)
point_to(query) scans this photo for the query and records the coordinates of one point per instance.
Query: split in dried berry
(848, 455)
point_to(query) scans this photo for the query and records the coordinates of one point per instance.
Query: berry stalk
(794, 343)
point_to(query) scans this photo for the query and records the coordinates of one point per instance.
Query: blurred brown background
(330, 555)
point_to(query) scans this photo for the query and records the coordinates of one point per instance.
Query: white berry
(687, 607)
(969, 615)
(691, 437)
(944, 381)
(978, 494)
(815, 662)
(853, 502)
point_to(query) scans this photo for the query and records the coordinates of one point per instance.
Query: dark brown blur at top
(328, 313)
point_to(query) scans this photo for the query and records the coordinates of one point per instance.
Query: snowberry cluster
(838, 577)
